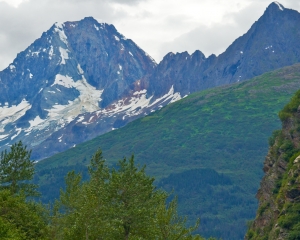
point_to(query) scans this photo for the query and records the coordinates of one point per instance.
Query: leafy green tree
(172, 226)
(82, 210)
(121, 203)
(135, 200)
(20, 219)
(16, 169)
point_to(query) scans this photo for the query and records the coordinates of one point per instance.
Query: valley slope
(209, 147)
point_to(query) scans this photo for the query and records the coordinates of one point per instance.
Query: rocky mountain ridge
(272, 42)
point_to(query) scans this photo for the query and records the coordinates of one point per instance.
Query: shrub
(291, 107)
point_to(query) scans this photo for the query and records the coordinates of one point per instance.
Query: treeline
(118, 203)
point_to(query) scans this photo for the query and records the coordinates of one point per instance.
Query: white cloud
(156, 26)
(14, 3)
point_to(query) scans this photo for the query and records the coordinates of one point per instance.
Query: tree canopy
(118, 203)
(115, 203)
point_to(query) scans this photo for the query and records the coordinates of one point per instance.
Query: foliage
(20, 219)
(225, 129)
(120, 203)
(291, 107)
(16, 169)
(291, 220)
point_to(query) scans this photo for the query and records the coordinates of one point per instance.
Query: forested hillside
(208, 147)
(116, 203)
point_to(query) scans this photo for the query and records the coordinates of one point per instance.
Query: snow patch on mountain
(35, 121)
(59, 28)
(279, 6)
(79, 69)
(138, 102)
(171, 95)
(19, 130)
(64, 81)
(59, 115)
(63, 54)
(13, 113)
(3, 137)
(51, 52)
(87, 101)
(12, 67)
(96, 27)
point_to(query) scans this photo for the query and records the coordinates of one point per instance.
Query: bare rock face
(279, 194)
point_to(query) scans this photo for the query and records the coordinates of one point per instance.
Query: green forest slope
(208, 147)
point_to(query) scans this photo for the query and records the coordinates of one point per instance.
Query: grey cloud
(216, 38)
(206, 39)
(293, 4)
(130, 2)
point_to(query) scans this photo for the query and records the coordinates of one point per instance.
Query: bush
(291, 107)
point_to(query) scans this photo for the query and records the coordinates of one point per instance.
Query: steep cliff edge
(278, 215)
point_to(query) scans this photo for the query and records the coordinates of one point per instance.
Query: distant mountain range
(82, 79)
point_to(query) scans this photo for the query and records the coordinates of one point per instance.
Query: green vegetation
(16, 169)
(116, 204)
(121, 203)
(290, 108)
(223, 130)
(19, 219)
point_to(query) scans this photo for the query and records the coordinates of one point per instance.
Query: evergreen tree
(135, 200)
(82, 211)
(122, 203)
(16, 169)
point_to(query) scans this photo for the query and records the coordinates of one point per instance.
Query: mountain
(271, 43)
(208, 147)
(78, 75)
(279, 194)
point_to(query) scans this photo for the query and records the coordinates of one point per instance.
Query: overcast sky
(157, 26)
